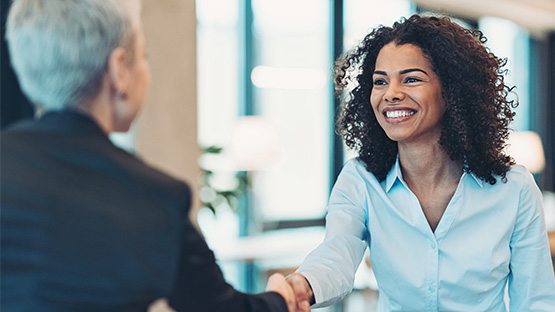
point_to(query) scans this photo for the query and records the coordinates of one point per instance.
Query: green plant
(211, 196)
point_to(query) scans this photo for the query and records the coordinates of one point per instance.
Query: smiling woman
(426, 107)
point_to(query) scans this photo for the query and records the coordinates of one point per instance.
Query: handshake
(295, 290)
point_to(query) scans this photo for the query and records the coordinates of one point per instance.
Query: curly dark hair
(475, 123)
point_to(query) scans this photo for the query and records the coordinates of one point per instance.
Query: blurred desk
(291, 244)
(277, 251)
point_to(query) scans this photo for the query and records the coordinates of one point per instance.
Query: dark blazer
(86, 226)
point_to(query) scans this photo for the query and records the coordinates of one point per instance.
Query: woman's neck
(101, 107)
(428, 165)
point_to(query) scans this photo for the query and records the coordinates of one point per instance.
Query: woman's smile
(397, 115)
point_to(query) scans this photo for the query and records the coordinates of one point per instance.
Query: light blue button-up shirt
(489, 236)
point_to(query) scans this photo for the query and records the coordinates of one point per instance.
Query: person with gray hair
(85, 225)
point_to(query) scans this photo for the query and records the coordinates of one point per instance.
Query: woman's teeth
(398, 113)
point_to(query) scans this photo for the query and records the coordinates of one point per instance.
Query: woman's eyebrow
(409, 70)
(404, 71)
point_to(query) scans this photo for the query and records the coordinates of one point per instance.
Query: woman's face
(407, 95)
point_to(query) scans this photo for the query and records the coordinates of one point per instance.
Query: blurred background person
(86, 226)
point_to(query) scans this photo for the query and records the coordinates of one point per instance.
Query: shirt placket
(431, 283)
(432, 274)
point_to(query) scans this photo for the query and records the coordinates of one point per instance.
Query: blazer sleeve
(200, 285)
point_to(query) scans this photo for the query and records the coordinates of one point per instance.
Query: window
(361, 16)
(217, 69)
(508, 40)
(291, 70)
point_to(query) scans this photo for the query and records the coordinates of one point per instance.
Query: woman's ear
(118, 70)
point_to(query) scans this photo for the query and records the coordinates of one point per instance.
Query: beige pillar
(166, 134)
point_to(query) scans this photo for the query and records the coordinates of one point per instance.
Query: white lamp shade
(527, 150)
(255, 144)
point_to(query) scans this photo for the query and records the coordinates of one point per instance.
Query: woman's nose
(394, 93)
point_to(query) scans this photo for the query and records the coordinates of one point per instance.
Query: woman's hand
(277, 283)
(303, 291)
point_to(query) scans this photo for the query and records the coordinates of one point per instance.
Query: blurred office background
(241, 106)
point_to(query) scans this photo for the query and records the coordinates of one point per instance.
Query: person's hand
(303, 291)
(277, 283)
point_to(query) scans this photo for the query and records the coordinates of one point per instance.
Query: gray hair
(60, 48)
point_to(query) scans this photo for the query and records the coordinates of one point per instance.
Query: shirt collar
(393, 175)
(396, 174)
(70, 121)
(478, 180)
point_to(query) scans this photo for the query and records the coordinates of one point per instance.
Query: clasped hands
(295, 290)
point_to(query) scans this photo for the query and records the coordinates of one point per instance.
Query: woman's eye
(379, 82)
(409, 80)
